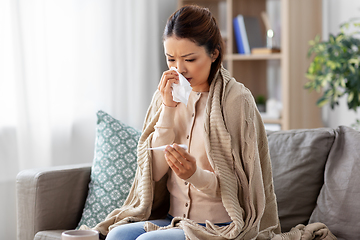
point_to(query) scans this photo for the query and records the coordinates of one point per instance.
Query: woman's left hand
(180, 161)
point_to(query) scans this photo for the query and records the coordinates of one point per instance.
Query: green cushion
(113, 168)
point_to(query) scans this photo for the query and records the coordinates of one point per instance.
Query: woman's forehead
(181, 46)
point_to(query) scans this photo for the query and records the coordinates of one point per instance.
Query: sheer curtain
(60, 62)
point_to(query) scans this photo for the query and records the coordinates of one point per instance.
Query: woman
(221, 187)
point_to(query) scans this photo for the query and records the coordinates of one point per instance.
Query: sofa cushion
(113, 169)
(298, 160)
(338, 205)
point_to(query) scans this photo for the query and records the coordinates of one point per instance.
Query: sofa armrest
(50, 198)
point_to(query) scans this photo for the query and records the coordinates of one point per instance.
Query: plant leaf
(322, 101)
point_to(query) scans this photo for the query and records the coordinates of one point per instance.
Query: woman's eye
(190, 60)
(171, 60)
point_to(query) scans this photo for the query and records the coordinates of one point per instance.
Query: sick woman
(221, 186)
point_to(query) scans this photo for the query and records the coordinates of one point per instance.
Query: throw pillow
(298, 160)
(113, 169)
(338, 203)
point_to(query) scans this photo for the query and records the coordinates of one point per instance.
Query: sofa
(316, 175)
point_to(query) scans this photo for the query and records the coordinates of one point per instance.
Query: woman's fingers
(172, 162)
(167, 76)
(165, 87)
(180, 161)
(184, 153)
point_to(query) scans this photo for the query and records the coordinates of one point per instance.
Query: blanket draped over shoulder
(236, 144)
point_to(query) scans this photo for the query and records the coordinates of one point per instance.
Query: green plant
(260, 99)
(261, 102)
(356, 125)
(335, 67)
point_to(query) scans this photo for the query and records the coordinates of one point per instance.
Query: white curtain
(60, 62)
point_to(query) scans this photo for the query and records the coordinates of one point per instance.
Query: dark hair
(197, 24)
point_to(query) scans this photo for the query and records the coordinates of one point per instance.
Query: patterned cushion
(113, 168)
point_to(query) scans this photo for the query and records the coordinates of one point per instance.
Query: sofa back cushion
(338, 205)
(298, 160)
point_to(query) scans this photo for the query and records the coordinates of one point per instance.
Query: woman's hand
(165, 87)
(180, 161)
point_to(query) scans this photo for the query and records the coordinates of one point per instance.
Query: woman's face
(191, 60)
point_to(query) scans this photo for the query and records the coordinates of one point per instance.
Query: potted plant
(260, 101)
(334, 69)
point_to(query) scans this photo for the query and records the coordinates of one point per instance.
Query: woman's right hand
(165, 87)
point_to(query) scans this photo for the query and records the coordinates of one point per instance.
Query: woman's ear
(215, 55)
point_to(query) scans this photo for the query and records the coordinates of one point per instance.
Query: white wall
(336, 12)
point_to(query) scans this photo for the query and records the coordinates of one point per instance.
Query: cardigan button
(186, 204)
(186, 183)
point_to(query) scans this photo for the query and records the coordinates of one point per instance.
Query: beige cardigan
(236, 143)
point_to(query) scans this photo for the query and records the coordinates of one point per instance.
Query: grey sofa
(316, 176)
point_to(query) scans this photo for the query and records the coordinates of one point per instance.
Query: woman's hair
(198, 25)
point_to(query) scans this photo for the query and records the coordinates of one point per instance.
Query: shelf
(274, 75)
(239, 57)
(272, 120)
(200, 2)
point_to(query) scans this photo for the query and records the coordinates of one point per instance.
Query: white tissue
(181, 91)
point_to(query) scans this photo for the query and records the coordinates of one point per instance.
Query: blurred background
(63, 60)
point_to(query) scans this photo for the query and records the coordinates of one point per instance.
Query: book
(237, 33)
(247, 33)
(264, 50)
(243, 36)
(256, 39)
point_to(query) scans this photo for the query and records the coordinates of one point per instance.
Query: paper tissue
(182, 90)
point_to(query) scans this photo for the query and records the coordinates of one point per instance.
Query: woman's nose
(181, 67)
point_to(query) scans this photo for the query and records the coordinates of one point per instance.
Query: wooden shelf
(272, 120)
(300, 22)
(239, 57)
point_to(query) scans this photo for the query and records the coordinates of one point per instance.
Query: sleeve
(164, 128)
(164, 134)
(205, 181)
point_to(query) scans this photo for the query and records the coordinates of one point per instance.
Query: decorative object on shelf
(273, 109)
(335, 67)
(270, 38)
(270, 42)
(261, 103)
